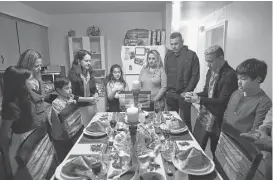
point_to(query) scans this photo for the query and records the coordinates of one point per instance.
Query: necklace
(153, 71)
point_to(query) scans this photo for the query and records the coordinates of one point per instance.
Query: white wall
(249, 34)
(112, 25)
(21, 11)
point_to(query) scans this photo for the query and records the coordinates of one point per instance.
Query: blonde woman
(153, 78)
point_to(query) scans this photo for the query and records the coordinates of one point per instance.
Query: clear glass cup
(156, 107)
(157, 123)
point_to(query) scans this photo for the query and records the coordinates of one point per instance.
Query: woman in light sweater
(153, 78)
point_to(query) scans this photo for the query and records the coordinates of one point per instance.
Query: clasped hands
(260, 139)
(190, 97)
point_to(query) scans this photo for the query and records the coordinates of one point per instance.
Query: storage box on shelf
(96, 46)
(49, 74)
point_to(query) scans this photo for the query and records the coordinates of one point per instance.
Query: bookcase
(96, 46)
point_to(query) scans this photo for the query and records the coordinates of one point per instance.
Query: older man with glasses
(221, 82)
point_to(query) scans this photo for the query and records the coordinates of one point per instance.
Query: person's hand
(92, 100)
(194, 98)
(72, 101)
(183, 94)
(154, 100)
(264, 144)
(253, 136)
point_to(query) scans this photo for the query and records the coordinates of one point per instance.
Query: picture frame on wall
(140, 51)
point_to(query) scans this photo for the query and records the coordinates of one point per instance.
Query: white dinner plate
(199, 172)
(61, 176)
(178, 131)
(94, 134)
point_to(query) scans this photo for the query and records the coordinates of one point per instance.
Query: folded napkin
(192, 158)
(96, 126)
(175, 124)
(79, 167)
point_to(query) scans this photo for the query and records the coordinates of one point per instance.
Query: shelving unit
(96, 46)
(50, 74)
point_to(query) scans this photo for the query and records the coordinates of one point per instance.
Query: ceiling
(78, 7)
(189, 9)
(199, 9)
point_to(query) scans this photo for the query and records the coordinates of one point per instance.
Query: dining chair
(126, 98)
(237, 158)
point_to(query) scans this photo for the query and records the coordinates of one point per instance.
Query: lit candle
(136, 86)
(132, 114)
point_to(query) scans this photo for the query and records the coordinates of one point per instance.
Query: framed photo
(140, 51)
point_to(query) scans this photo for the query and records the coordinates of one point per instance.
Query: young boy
(249, 104)
(64, 131)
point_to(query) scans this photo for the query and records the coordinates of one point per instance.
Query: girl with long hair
(34, 151)
(115, 84)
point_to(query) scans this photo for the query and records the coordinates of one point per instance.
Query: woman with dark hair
(249, 104)
(84, 85)
(153, 78)
(115, 84)
(34, 150)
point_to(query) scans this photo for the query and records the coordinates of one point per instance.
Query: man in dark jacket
(183, 73)
(221, 82)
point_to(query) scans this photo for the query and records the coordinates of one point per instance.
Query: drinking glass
(97, 166)
(113, 121)
(156, 107)
(166, 131)
(157, 123)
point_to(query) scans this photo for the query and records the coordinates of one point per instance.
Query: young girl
(64, 133)
(29, 125)
(115, 84)
(248, 105)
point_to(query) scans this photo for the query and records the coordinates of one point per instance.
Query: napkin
(96, 126)
(79, 167)
(192, 158)
(175, 124)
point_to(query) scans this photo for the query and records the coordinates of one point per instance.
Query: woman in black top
(84, 85)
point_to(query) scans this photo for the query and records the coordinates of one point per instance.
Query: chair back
(127, 97)
(106, 94)
(237, 158)
(72, 116)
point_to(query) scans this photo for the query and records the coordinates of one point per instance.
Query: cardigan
(78, 86)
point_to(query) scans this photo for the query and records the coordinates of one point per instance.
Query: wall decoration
(93, 31)
(71, 33)
(140, 51)
(139, 61)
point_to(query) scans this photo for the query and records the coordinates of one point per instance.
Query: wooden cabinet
(16, 36)
(9, 49)
(95, 45)
(33, 36)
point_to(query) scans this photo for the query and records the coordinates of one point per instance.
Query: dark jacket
(77, 84)
(225, 85)
(188, 70)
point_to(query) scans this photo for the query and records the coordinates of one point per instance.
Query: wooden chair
(236, 158)
(126, 98)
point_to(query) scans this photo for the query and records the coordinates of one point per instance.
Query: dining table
(82, 147)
